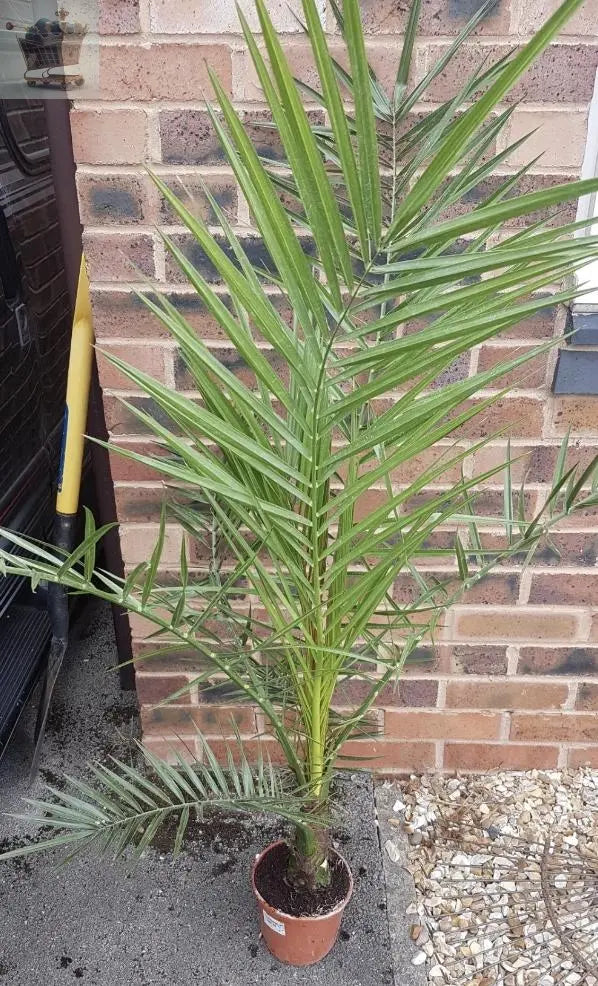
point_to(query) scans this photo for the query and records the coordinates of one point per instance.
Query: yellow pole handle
(77, 400)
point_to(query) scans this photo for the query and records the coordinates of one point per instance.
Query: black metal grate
(24, 635)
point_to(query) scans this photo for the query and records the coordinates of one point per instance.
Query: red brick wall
(514, 680)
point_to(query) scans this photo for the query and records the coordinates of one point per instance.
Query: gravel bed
(506, 874)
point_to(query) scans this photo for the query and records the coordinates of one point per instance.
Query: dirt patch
(220, 834)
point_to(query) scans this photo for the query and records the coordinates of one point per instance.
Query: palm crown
(270, 474)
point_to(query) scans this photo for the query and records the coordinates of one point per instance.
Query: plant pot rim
(303, 917)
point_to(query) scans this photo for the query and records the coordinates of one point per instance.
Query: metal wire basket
(51, 51)
(48, 58)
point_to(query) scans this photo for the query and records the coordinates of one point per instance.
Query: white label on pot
(276, 926)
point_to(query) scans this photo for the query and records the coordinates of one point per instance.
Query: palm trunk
(308, 864)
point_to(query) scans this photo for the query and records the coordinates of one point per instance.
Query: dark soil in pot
(271, 882)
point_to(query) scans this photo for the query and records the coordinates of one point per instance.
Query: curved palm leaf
(123, 805)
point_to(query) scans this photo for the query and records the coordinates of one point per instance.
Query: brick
(139, 504)
(527, 376)
(516, 624)
(246, 85)
(560, 590)
(457, 370)
(438, 17)
(495, 456)
(219, 722)
(167, 748)
(571, 549)
(206, 325)
(253, 246)
(121, 421)
(162, 71)
(218, 693)
(199, 553)
(499, 756)
(424, 660)
(528, 183)
(118, 17)
(107, 199)
(479, 660)
(369, 501)
(406, 590)
(468, 59)
(119, 256)
(149, 359)
(576, 414)
(505, 695)
(415, 117)
(191, 193)
(520, 417)
(140, 627)
(488, 503)
(264, 136)
(439, 540)
(190, 17)
(559, 726)
(108, 136)
(410, 470)
(137, 542)
(494, 590)
(562, 74)
(187, 137)
(530, 15)
(540, 325)
(587, 697)
(441, 725)
(187, 660)
(560, 137)
(230, 358)
(253, 748)
(569, 661)
(411, 692)
(382, 58)
(154, 688)
(123, 469)
(121, 314)
(537, 463)
(382, 755)
(224, 721)
(583, 756)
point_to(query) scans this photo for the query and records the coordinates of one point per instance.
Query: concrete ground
(189, 921)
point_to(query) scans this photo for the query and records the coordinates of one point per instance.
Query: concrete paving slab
(189, 921)
(400, 891)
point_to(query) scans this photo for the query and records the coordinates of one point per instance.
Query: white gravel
(506, 874)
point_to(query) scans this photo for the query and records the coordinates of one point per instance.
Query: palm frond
(392, 276)
(126, 806)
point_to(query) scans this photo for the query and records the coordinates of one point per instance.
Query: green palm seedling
(390, 278)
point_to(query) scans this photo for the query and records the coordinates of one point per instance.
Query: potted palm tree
(365, 243)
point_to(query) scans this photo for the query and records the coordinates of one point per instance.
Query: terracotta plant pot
(298, 940)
